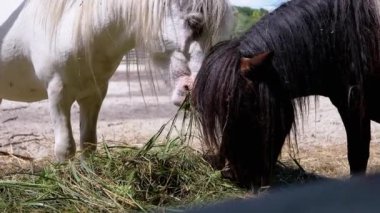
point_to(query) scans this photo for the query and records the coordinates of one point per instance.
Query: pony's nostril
(186, 87)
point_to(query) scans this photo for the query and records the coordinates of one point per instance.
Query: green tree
(246, 17)
(257, 14)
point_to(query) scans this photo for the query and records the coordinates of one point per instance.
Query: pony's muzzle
(179, 95)
(182, 88)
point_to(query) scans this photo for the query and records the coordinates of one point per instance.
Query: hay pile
(118, 180)
(163, 174)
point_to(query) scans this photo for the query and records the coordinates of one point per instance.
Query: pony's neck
(111, 28)
(318, 43)
(293, 33)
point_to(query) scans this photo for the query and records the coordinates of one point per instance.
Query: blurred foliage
(246, 17)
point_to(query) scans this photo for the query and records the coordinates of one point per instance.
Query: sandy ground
(126, 117)
(26, 130)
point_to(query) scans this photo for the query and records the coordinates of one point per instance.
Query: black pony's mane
(319, 36)
(313, 35)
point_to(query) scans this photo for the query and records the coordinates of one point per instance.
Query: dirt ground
(26, 128)
(126, 116)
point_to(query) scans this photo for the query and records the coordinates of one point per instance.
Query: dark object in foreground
(356, 195)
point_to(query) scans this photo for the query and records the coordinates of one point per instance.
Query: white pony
(67, 50)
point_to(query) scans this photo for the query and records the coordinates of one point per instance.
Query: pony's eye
(195, 23)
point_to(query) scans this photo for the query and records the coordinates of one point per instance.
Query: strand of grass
(131, 147)
(88, 193)
(174, 119)
(149, 145)
(39, 205)
(23, 185)
(108, 190)
(86, 197)
(35, 175)
(43, 202)
(185, 105)
(40, 201)
(298, 165)
(153, 140)
(185, 132)
(108, 153)
(190, 116)
(98, 184)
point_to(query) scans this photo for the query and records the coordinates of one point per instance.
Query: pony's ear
(247, 64)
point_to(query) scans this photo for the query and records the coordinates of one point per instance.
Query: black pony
(248, 89)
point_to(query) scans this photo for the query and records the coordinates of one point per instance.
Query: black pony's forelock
(215, 86)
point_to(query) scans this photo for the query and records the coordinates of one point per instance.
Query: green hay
(170, 175)
(118, 180)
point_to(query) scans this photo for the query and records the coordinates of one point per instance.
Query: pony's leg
(89, 111)
(358, 142)
(358, 131)
(60, 104)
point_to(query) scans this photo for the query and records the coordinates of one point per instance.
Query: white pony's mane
(144, 15)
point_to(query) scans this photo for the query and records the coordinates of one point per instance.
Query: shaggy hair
(145, 14)
(320, 47)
